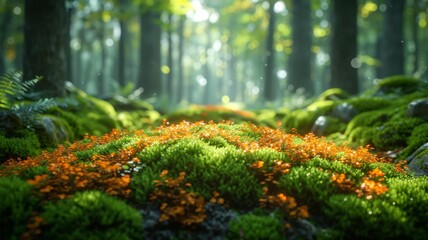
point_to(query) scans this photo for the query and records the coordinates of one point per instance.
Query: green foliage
(104, 149)
(91, 215)
(251, 226)
(394, 133)
(16, 206)
(333, 94)
(25, 143)
(335, 166)
(417, 138)
(142, 185)
(370, 119)
(209, 168)
(310, 185)
(12, 106)
(359, 218)
(410, 195)
(364, 104)
(13, 89)
(302, 120)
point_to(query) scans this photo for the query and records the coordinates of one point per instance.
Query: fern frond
(27, 111)
(13, 88)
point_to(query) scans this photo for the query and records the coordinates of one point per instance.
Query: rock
(418, 161)
(325, 125)
(418, 108)
(53, 130)
(344, 112)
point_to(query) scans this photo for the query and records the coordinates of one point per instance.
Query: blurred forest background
(261, 53)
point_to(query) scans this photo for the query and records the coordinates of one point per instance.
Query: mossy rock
(394, 134)
(302, 120)
(417, 138)
(333, 94)
(52, 130)
(23, 144)
(364, 104)
(397, 86)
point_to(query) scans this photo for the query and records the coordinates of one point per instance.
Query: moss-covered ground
(266, 183)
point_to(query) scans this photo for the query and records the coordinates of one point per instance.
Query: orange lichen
(177, 203)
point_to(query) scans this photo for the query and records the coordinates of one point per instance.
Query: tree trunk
(392, 50)
(415, 35)
(170, 61)
(5, 21)
(150, 57)
(269, 81)
(180, 70)
(121, 76)
(344, 46)
(44, 54)
(301, 56)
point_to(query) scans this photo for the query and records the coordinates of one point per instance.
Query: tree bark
(344, 46)
(392, 47)
(301, 56)
(180, 67)
(44, 53)
(170, 60)
(121, 76)
(269, 81)
(150, 57)
(5, 21)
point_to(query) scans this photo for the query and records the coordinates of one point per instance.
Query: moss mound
(377, 117)
(178, 174)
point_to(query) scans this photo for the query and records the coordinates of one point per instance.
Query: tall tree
(301, 55)
(344, 45)
(122, 50)
(269, 81)
(170, 59)
(5, 22)
(44, 54)
(150, 53)
(391, 47)
(180, 66)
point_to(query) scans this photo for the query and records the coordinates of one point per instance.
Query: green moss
(361, 136)
(250, 226)
(16, 206)
(209, 168)
(417, 138)
(364, 104)
(397, 85)
(411, 196)
(104, 149)
(91, 215)
(371, 119)
(75, 123)
(333, 94)
(22, 145)
(302, 120)
(376, 219)
(309, 185)
(52, 130)
(208, 113)
(394, 134)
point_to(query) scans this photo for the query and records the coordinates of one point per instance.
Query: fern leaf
(13, 88)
